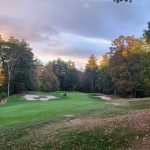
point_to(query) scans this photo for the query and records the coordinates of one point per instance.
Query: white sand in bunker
(39, 97)
(104, 97)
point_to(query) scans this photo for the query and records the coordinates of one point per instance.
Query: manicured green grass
(19, 111)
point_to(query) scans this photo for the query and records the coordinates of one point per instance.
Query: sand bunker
(39, 97)
(104, 97)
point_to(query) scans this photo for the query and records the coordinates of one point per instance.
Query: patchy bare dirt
(139, 121)
(143, 144)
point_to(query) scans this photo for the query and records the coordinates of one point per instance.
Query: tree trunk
(8, 87)
(132, 94)
(8, 84)
(135, 94)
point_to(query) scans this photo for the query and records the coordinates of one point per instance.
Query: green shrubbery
(3, 95)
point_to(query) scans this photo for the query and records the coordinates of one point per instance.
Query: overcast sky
(72, 29)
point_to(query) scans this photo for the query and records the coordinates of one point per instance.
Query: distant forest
(124, 70)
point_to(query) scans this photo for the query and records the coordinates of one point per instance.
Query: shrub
(3, 95)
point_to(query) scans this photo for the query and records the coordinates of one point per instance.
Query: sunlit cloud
(71, 29)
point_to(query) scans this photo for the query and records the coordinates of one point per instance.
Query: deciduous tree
(17, 60)
(2, 76)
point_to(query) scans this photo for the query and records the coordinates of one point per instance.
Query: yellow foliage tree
(2, 77)
(92, 63)
(104, 62)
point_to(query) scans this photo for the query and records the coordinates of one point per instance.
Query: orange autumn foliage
(126, 45)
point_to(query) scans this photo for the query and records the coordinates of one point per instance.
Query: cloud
(72, 28)
(67, 44)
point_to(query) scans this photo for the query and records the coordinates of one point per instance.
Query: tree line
(19, 71)
(124, 70)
